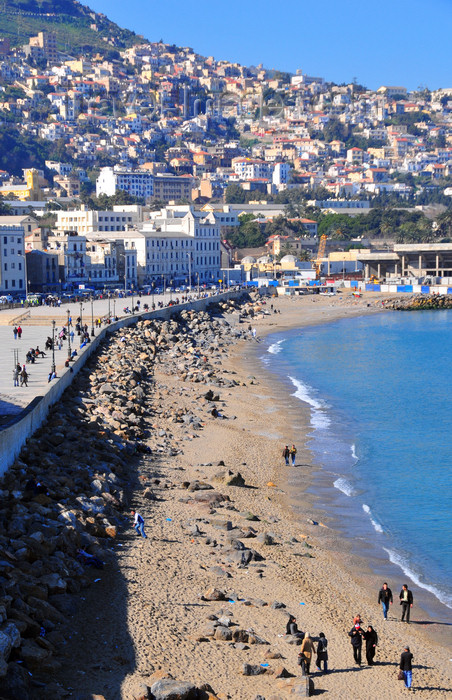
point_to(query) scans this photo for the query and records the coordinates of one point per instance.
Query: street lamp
(68, 336)
(189, 271)
(53, 371)
(109, 311)
(81, 322)
(114, 308)
(197, 277)
(26, 273)
(92, 318)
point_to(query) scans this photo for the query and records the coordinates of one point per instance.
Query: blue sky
(390, 42)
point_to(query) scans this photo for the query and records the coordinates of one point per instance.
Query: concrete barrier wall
(14, 435)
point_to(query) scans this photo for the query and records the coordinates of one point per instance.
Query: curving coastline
(146, 618)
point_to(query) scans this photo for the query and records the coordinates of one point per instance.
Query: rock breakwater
(64, 500)
(418, 302)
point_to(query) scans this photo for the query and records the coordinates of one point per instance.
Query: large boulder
(168, 689)
(33, 655)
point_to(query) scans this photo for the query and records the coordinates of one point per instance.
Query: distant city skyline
(404, 43)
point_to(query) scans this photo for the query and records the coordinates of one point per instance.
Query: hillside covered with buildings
(111, 143)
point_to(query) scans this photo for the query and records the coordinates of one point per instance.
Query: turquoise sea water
(380, 394)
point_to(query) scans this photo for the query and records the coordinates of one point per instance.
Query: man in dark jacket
(406, 601)
(405, 665)
(385, 598)
(286, 454)
(356, 637)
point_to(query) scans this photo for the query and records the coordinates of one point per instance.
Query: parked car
(6, 299)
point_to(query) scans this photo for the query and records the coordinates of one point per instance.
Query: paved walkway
(36, 328)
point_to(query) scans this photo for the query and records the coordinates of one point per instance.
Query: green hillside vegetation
(19, 151)
(71, 22)
(399, 225)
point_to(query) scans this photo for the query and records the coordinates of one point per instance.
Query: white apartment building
(85, 221)
(12, 257)
(72, 258)
(103, 259)
(281, 173)
(176, 242)
(138, 183)
(250, 169)
(194, 236)
(126, 247)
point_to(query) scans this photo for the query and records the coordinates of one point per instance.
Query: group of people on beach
(358, 634)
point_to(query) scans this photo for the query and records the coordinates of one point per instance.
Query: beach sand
(147, 617)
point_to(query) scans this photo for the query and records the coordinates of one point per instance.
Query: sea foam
(275, 348)
(376, 525)
(304, 393)
(319, 419)
(345, 486)
(403, 563)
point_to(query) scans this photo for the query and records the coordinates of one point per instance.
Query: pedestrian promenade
(36, 324)
(36, 327)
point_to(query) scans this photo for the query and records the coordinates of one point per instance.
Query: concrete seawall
(14, 435)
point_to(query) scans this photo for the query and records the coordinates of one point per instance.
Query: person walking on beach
(306, 653)
(322, 653)
(356, 637)
(24, 377)
(406, 601)
(138, 523)
(19, 332)
(406, 666)
(293, 454)
(15, 332)
(371, 638)
(385, 598)
(286, 454)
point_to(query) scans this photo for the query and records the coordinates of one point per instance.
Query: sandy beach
(149, 614)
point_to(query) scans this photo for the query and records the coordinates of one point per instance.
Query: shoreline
(371, 557)
(165, 583)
